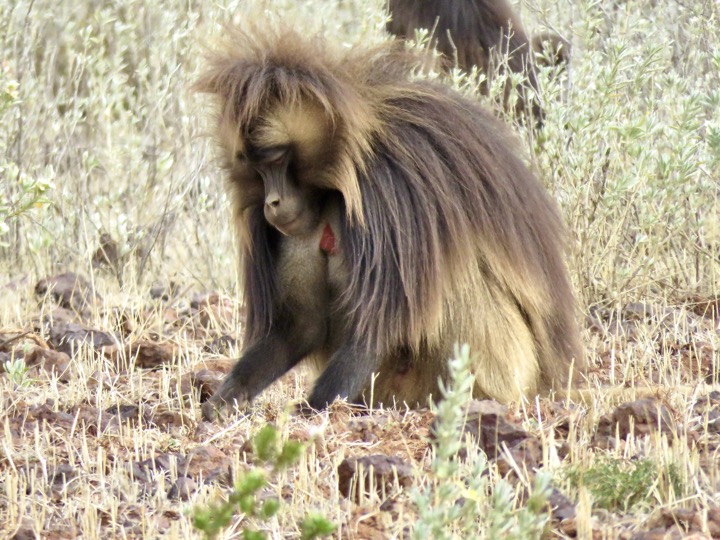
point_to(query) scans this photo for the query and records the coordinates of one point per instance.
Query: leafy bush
(458, 500)
(244, 497)
(618, 484)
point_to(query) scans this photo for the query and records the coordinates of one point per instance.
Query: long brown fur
(476, 33)
(444, 234)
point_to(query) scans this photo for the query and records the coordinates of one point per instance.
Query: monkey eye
(273, 156)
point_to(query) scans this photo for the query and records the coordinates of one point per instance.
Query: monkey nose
(272, 201)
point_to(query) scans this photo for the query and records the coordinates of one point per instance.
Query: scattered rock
(569, 527)
(142, 471)
(60, 315)
(486, 422)
(160, 291)
(713, 521)
(121, 321)
(18, 342)
(205, 430)
(61, 475)
(654, 534)
(166, 419)
(707, 408)
(640, 418)
(25, 532)
(45, 413)
(213, 309)
(366, 427)
(16, 284)
(687, 519)
(70, 291)
(56, 474)
(149, 355)
(389, 505)
(11, 342)
(223, 366)
(637, 311)
(224, 344)
(205, 461)
(184, 388)
(706, 307)
(69, 337)
(182, 489)
(206, 382)
(525, 454)
(100, 378)
(146, 354)
(695, 359)
(87, 416)
(126, 413)
(51, 362)
(107, 253)
(561, 508)
(713, 397)
(379, 472)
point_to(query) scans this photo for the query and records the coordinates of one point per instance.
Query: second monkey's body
(483, 33)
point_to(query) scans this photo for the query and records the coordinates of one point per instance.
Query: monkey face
(289, 207)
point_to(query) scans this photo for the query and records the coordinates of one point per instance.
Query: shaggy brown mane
(437, 203)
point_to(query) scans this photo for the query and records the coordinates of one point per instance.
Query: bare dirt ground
(103, 437)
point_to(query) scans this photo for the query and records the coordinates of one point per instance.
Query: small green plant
(21, 192)
(244, 497)
(457, 501)
(17, 372)
(315, 526)
(8, 88)
(452, 500)
(618, 484)
(529, 521)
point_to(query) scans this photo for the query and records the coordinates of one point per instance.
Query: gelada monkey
(475, 32)
(382, 219)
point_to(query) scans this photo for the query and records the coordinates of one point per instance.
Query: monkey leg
(346, 375)
(262, 363)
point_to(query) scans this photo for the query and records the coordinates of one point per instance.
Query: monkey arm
(262, 363)
(346, 375)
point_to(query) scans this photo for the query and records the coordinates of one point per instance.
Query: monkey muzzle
(287, 207)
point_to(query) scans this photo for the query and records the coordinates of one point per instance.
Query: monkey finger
(221, 402)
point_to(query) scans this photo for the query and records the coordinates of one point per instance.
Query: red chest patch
(327, 242)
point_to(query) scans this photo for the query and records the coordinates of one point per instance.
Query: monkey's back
(471, 249)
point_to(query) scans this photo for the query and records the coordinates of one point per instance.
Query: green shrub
(619, 484)
(458, 500)
(244, 497)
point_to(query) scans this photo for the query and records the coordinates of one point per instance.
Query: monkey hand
(227, 396)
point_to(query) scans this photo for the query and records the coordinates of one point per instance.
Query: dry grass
(101, 135)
